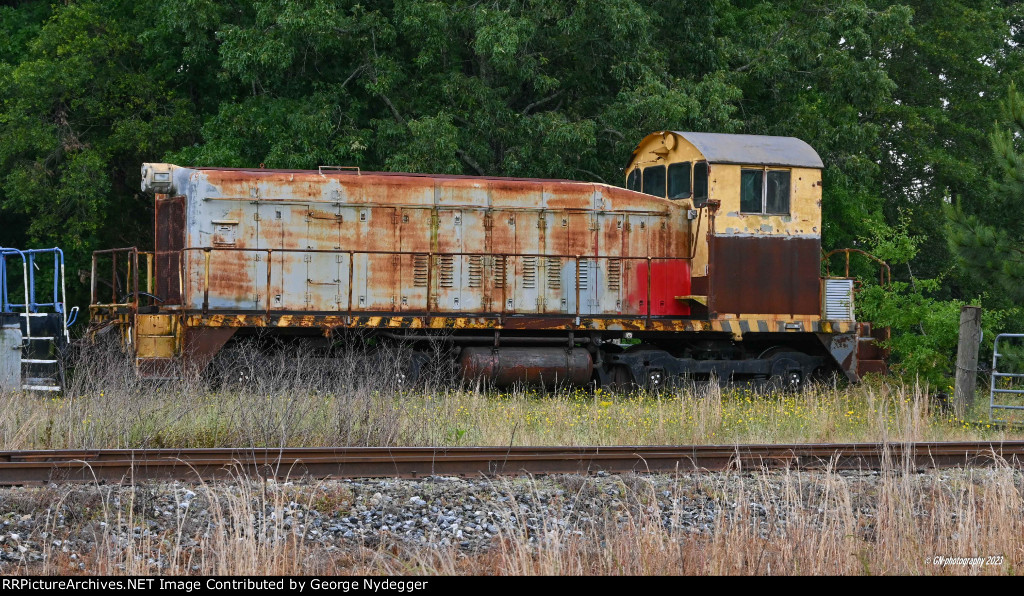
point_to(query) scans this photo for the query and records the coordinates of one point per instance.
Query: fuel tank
(530, 365)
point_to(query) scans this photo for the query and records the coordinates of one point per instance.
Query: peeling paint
(337, 241)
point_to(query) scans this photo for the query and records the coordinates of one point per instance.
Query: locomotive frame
(527, 280)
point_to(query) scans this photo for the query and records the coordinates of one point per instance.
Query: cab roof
(750, 149)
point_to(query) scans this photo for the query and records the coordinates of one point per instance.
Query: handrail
(133, 271)
(992, 405)
(884, 272)
(58, 297)
(7, 306)
(133, 258)
(320, 170)
(208, 252)
(436, 254)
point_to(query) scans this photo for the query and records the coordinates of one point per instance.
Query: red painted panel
(668, 280)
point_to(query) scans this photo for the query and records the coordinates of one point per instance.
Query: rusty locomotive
(708, 262)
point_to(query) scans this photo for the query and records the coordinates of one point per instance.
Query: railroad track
(131, 465)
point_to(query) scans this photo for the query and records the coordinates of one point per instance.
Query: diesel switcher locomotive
(707, 264)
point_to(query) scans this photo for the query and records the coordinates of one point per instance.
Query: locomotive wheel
(827, 375)
(227, 369)
(787, 372)
(794, 381)
(414, 372)
(620, 379)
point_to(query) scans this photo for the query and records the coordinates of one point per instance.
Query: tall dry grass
(296, 398)
(788, 523)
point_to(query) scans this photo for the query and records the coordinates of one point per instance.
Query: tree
(987, 237)
(950, 71)
(80, 110)
(558, 88)
(549, 89)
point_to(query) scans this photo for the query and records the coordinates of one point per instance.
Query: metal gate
(1007, 387)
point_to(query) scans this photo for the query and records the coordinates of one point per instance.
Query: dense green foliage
(899, 98)
(988, 240)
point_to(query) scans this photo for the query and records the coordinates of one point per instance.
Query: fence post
(967, 358)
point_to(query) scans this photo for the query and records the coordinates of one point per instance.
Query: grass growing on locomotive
(708, 265)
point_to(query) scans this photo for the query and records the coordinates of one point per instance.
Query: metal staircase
(41, 365)
(871, 355)
(41, 327)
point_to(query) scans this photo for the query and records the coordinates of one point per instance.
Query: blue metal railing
(53, 301)
(29, 268)
(5, 253)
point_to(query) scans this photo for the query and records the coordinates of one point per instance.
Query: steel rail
(132, 465)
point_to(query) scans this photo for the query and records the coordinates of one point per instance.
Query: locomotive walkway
(131, 465)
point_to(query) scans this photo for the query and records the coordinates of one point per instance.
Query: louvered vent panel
(554, 273)
(447, 273)
(614, 274)
(476, 271)
(419, 271)
(499, 272)
(839, 299)
(529, 272)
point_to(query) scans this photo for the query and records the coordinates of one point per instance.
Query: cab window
(654, 181)
(679, 180)
(700, 184)
(764, 191)
(633, 180)
(751, 190)
(776, 196)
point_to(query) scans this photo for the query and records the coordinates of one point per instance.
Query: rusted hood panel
(261, 240)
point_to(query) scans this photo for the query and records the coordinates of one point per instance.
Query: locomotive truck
(708, 263)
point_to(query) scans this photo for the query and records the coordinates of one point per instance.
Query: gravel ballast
(465, 515)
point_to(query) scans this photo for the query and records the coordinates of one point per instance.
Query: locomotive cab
(754, 210)
(757, 227)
